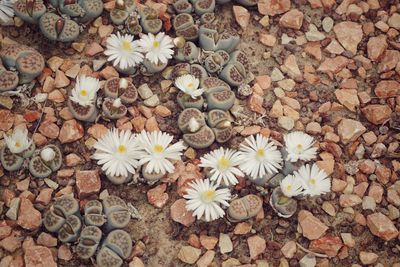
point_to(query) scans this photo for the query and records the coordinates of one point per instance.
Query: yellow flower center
(289, 188)
(208, 196)
(223, 163)
(156, 44)
(299, 147)
(158, 148)
(312, 181)
(121, 149)
(126, 46)
(18, 144)
(260, 153)
(83, 92)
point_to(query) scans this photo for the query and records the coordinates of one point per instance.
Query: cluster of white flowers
(307, 180)
(256, 158)
(125, 52)
(121, 152)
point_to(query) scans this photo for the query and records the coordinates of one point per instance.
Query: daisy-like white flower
(84, 92)
(291, 186)
(18, 141)
(259, 157)
(315, 181)
(223, 165)
(204, 198)
(157, 151)
(157, 48)
(6, 10)
(123, 51)
(189, 85)
(299, 146)
(118, 152)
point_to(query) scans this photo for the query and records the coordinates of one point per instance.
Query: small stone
(273, 7)
(286, 123)
(98, 64)
(292, 19)
(394, 21)
(308, 261)
(329, 245)
(368, 258)
(267, 39)
(152, 101)
(349, 200)
(12, 212)
(376, 47)
(349, 34)
(257, 246)
(157, 196)
(61, 80)
(376, 113)
(64, 253)
(242, 228)
(78, 46)
(311, 226)
(206, 259)
(39, 256)
(94, 49)
(329, 208)
(46, 240)
(44, 196)
(29, 218)
(289, 249)
(389, 88)
(225, 244)
(242, 16)
(49, 129)
(276, 75)
(327, 24)
(349, 130)
(313, 34)
(348, 239)
(368, 203)
(189, 254)
(71, 131)
(348, 98)
(109, 72)
(145, 91)
(87, 183)
(180, 214)
(381, 226)
(11, 243)
(54, 63)
(208, 242)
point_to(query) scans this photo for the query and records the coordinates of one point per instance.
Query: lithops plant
(151, 178)
(63, 217)
(56, 28)
(8, 79)
(82, 113)
(13, 161)
(28, 63)
(185, 27)
(115, 248)
(220, 122)
(89, 240)
(48, 161)
(285, 207)
(119, 92)
(244, 208)
(29, 10)
(149, 20)
(187, 52)
(93, 213)
(182, 6)
(203, 138)
(117, 213)
(236, 71)
(211, 40)
(84, 10)
(122, 10)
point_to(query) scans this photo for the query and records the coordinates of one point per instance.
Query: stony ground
(327, 67)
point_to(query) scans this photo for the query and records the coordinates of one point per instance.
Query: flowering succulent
(299, 146)
(189, 85)
(84, 92)
(157, 49)
(314, 180)
(18, 141)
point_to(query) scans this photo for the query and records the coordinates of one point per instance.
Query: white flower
(157, 48)
(291, 186)
(223, 165)
(157, 151)
(123, 51)
(259, 157)
(117, 103)
(205, 199)
(84, 92)
(189, 85)
(47, 154)
(299, 146)
(123, 83)
(6, 10)
(18, 141)
(118, 153)
(315, 181)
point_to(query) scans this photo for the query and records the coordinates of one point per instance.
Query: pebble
(311, 226)
(257, 246)
(286, 122)
(368, 258)
(327, 24)
(29, 218)
(145, 91)
(308, 261)
(71, 131)
(225, 244)
(180, 214)
(381, 226)
(152, 101)
(38, 256)
(206, 259)
(87, 183)
(157, 196)
(289, 249)
(313, 34)
(189, 254)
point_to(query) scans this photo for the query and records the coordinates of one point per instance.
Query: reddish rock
(348, 98)
(273, 7)
(292, 19)
(31, 115)
(38, 256)
(387, 89)
(180, 214)
(255, 103)
(11, 243)
(242, 16)
(368, 258)
(333, 65)
(349, 200)
(46, 240)
(350, 130)
(5, 231)
(382, 226)
(383, 174)
(257, 246)
(314, 49)
(64, 253)
(376, 192)
(329, 245)
(6, 120)
(349, 34)
(376, 47)
(157, 196)
(312, 227)
(44, 196)
(208, 242)
(29, 218)
(87, 183)
(49, 129)
(389, 61)
(93, 49)
(71, 131)
(377, 114)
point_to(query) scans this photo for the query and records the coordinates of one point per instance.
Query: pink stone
(349, 200)
(39, 256)
(382, 226)
(349, 35)
(376, 47)
(376, 113)
(242, 16)
(6, 120)
(257, 246)
(11, 243)
(273, 7)
(71, 131)
(87, 183)
(29, 218)
(312, 227)
(387, 89)
(46, 240)
(49, 129)
(208, 242)
(97, 130)
(72, 160)
(44, 196)
(292, 19)
(64, 253)
(180, 214)
(329, 245)
(93, 49)
(157, 196)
